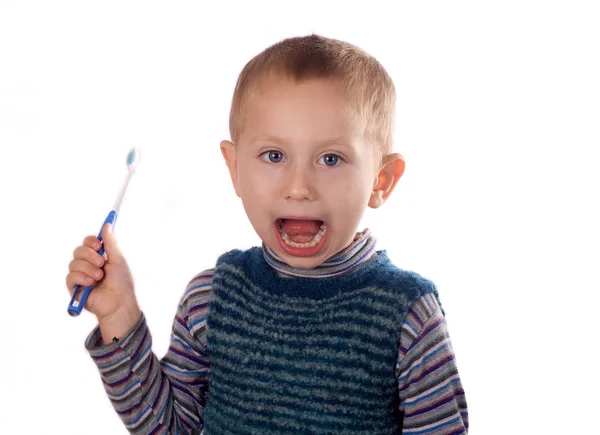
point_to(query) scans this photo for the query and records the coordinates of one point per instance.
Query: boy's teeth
(316, 239)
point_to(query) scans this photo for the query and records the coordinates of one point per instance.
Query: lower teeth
(316, 239)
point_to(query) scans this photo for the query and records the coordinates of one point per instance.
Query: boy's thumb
(111, 247)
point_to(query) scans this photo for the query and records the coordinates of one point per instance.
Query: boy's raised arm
(153, 396)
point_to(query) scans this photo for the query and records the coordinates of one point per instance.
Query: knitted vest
(304, 355)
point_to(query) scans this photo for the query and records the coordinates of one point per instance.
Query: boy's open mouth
(301, 236)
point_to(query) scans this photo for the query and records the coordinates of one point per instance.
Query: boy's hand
(112, 299)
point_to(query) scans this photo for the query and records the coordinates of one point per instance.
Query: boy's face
(303, 170)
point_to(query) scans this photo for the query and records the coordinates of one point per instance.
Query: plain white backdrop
(498, 119)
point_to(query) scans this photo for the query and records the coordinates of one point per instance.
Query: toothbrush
(133, 158)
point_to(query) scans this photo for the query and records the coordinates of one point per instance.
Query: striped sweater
(171, 395)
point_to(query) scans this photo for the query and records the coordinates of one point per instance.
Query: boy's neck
(359, 251)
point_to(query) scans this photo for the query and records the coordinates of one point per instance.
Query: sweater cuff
(108, 356)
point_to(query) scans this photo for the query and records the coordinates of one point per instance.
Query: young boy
(314, 332)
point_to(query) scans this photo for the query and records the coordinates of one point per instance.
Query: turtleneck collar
(351, 257)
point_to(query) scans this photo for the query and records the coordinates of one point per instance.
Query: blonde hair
(368, 86)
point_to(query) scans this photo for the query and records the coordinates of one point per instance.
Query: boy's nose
(299, 186)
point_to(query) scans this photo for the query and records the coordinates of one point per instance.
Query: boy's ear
(229, 153)
(392, 168)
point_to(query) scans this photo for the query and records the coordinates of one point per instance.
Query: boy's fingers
(88, 254)
(111, 248)
(77, 278)
(86, 268)
(92, 242)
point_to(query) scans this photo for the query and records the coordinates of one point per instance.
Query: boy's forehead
(322, 101)
(286, 127)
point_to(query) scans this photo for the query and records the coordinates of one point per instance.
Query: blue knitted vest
(305, 355)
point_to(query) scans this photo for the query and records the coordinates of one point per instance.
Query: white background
(498, 118)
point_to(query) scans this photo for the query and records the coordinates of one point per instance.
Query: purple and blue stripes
(168, 396)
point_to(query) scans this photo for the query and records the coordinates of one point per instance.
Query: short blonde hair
(368, 85)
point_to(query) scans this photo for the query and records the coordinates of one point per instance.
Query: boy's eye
(330, 160)
(273, 156)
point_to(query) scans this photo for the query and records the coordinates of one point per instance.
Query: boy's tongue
(301, 231)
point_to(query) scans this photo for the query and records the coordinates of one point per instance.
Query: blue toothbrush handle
(75, 307)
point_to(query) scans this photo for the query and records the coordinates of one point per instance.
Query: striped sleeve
(432, 399)
(153, 396)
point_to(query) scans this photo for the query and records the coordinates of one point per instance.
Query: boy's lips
(298, 218)
(301, 236)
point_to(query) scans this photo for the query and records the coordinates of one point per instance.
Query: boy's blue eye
(273, 156)
(330, 159)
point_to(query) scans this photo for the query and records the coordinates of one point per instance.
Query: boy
(314, 332)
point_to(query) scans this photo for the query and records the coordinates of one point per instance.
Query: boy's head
(311, 125)
(368, 89)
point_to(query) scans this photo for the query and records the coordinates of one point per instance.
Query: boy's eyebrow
(322, 142)
(269, 138)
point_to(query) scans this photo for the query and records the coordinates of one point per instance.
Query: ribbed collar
(358, 252)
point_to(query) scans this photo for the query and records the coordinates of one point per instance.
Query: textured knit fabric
(306, 356)
(169, 396)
